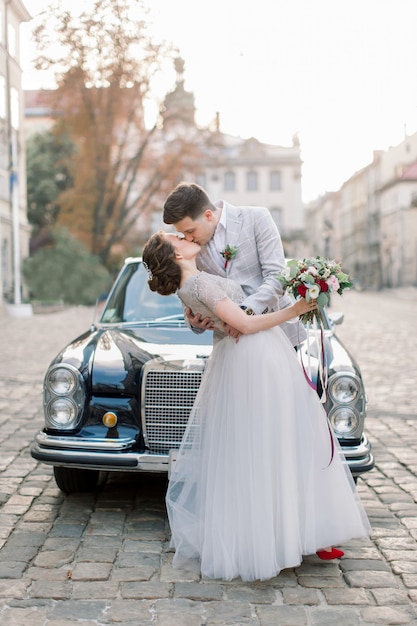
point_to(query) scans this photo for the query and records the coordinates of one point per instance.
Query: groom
(242, 243)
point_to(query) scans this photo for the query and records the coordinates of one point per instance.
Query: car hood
(111, 359)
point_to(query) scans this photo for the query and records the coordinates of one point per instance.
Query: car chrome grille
(166, 404)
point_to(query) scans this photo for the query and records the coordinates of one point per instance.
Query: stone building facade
(243, 171)
(14, 227)
(370, 223)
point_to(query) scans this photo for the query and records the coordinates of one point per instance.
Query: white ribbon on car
(322, 374)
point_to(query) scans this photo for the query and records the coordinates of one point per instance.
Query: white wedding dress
(253, 488)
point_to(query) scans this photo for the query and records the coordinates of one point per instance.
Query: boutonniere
(228, 254)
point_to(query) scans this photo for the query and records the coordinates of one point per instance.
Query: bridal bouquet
(316, 279)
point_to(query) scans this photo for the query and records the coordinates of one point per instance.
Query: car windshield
(131, 300)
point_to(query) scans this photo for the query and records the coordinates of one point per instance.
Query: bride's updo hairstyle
(159, 259)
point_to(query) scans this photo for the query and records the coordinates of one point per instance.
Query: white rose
(314, 291)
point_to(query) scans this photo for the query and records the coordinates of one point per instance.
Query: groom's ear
(208, 214)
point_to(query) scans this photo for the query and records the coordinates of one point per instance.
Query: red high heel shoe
(328, 555)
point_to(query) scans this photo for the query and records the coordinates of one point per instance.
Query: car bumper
(105, 455)
(115, 455)
(359, 457)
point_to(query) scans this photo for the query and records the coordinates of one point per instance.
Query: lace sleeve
(209, 291)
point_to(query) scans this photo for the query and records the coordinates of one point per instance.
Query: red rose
(322, 284)
(302, 290)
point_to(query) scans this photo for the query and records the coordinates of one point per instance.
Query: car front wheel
(74, 480)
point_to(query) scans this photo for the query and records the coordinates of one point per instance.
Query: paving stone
(346, 616)
(44, 573)
(404, 567)
(288, 615)
(12, 569)
(144, 590)
(410, 580)
(53, 558)
(17, 616)
(397, 543)
(401, 555)
(131, 574)
(227, 612)
(140, 612)
(78, 610)
(143, 546)
(94, 590)
(371, 579)
(91, 571)
(389, 597)
(114, 542)
(15, 553)
(349, 565)
(347, 596)
(321, 582)
(13, 588)
(134, 559)
(198, 591)
(300, 596)
(104, 554)
(67, 530)
(57, 590)
(256, 593)
(387, 615)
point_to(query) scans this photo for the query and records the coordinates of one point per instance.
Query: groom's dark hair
(186, 200)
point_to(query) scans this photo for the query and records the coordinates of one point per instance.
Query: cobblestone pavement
(101, 559)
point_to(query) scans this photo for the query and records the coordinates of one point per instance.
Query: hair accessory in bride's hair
(150, 275)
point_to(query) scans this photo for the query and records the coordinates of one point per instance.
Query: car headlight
(62, 412)
(61, 381)
(64, 397)
(344, 420)
(344, 389)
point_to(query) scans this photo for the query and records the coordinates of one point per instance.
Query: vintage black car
(118, 397)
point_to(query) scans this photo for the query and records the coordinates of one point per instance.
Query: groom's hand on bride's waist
(196, 321)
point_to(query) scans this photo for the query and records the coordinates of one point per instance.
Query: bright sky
(342, 74)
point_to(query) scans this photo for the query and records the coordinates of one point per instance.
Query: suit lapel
(205, 260)
(233, 229)
(207, 263)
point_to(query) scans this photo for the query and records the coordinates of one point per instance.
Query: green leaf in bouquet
(322, 300)
(342, 277)
(307, 278)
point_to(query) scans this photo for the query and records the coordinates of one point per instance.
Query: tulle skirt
(254, 488)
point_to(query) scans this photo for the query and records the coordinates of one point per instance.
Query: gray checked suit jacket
(259, 258)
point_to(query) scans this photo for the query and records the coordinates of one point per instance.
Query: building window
(2, 97)
(229, 181)
(11, 40)
(14, 108)
(201, 180)
(252, 181)
(275, 180)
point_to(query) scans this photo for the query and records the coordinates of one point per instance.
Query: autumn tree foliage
(106, 63)
(49, 156)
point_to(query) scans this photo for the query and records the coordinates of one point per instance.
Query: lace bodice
(202, 292)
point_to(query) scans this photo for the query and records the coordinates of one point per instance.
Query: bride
(260, 479)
